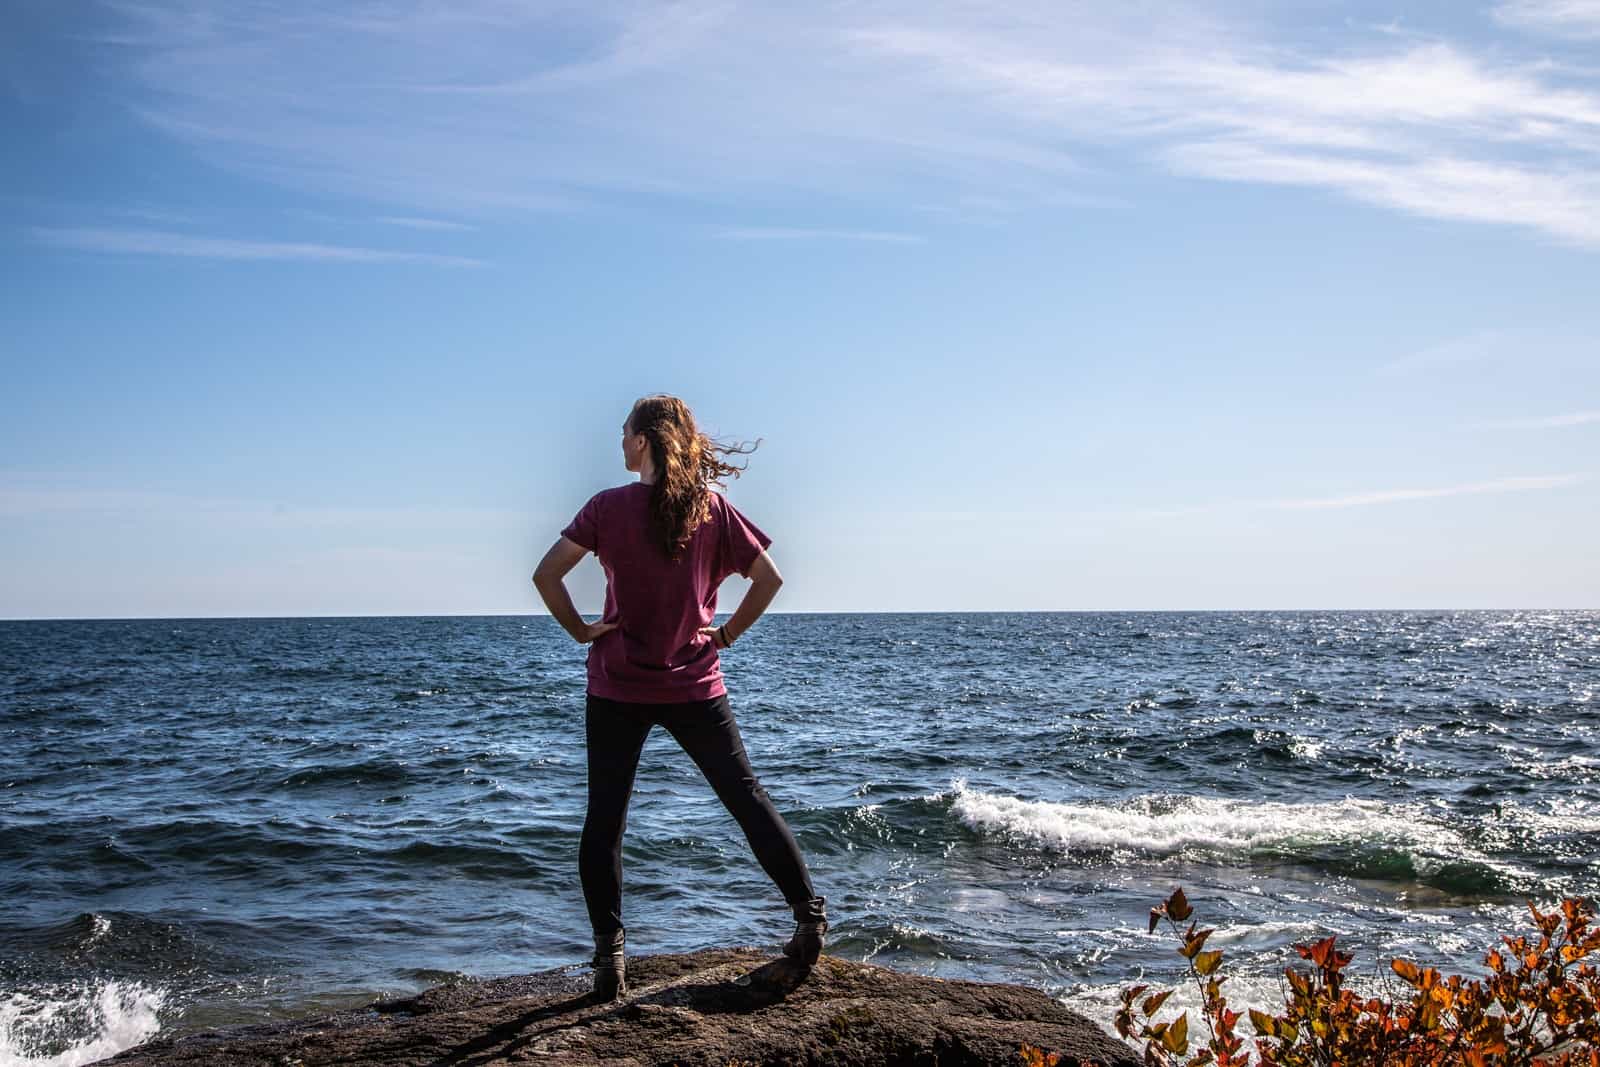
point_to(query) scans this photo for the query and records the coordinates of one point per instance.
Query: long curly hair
(687, 464)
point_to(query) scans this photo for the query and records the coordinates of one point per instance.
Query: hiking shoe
(810, 924)
(610, 972)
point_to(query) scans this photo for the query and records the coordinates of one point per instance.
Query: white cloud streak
(1546, 422)
(784, 233)
(1563, 205)
(1472, 348)
(1480, 351)
(1054, 519)
(188, 246)
(1427, 130)
(1578, 19)
(486, 107)
(31, 502)
(1368, 498)
(412, 222)
(1394, 496)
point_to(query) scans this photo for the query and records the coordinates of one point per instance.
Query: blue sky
(336, 309)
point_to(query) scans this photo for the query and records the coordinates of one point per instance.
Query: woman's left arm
(548, 579)
(765, 581)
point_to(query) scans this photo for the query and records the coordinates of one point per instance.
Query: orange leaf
(1192, 944)
(1153, 1004)
(1176, 1039)
(1321, 952)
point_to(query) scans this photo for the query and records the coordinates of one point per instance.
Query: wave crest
(1360, 838)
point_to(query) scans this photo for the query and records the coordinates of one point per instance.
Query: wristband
(722, 631)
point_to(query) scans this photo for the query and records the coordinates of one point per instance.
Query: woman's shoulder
(727, 514)
(620, 492)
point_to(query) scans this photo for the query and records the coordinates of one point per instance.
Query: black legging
(706, 730)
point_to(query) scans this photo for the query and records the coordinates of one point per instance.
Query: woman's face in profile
(630, 449)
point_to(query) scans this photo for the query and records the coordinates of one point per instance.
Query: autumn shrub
(1033, 1056)
(1539, 1006)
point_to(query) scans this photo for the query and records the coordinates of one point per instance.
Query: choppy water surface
(215, 821)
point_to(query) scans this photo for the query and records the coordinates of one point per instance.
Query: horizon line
(723, 614)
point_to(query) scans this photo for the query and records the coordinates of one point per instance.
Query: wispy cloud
(786, 233)
(1471, 348)
(1563, 205)
(484, 105)
(1544, 422)
(1394, 496)
(164, 243)
(33, 501)
(157, 215)
(1368, 498)
(1365, 498)
(1482, 351)
(1578, 19)
(1424, 128)
(412, 222)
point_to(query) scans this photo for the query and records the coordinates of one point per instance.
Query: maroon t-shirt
(657, 654)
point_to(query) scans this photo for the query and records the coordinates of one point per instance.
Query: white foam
(1166, 825)
(100, 926)
(1564, 815)
(104, 1020)
(1306, 748)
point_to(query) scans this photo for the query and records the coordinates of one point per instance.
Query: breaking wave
(78, 1024)
(1358, 838)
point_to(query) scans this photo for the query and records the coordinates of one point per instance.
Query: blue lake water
(205, 822)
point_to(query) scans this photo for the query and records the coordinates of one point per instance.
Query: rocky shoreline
(714, 1007)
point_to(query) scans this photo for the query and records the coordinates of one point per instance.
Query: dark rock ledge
(714, 1007)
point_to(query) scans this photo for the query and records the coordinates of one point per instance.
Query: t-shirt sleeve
(743, 541)
(584, 529)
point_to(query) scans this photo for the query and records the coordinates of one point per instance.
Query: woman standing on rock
(666, 542)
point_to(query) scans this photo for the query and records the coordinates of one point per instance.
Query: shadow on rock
(756, 989)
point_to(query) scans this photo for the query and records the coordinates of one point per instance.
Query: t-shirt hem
(656, 694)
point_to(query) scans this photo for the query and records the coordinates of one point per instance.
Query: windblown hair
(687, 464)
